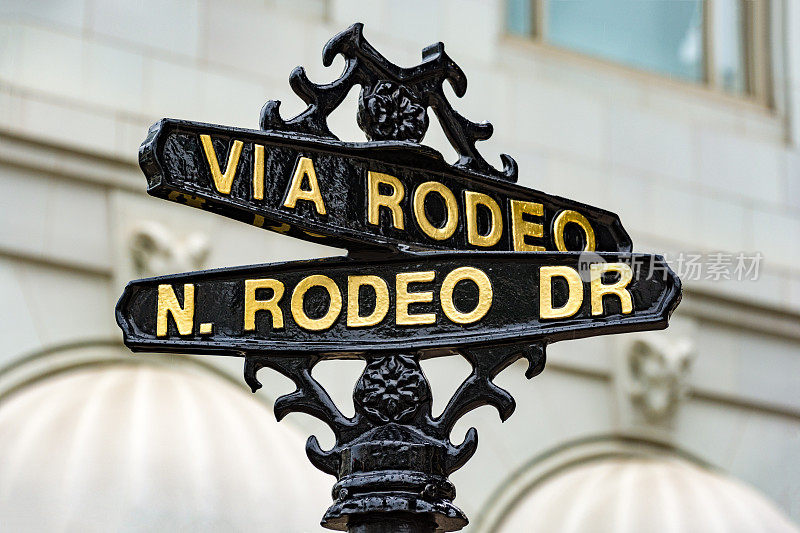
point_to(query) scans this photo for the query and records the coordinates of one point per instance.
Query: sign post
(443, 259)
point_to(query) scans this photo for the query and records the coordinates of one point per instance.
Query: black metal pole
(391, 522)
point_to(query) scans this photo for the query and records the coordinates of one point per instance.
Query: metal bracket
(393, 455)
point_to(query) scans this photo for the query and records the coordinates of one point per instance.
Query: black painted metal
(391, 521)
(393, 101)
(392, 458)
(512, 317)
(393, 455)
(173, 160)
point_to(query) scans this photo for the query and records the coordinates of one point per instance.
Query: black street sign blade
(392, 194)
(433, 301)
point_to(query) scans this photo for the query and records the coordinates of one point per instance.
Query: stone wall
(685, 168)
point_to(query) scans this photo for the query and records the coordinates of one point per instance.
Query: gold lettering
(193, 201)
(473, 199)
(168, 304)
(446, 231)
(334, 308)
(484, 295)
(222, 181)
(619, 288)
(305, 167)
(252, 305)
(404, 298)
(574, 292)
(283, 228)
(258, 171)
(376, 200)
(354, 318)
(521, 227)
(560, 223)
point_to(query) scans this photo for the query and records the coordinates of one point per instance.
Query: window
(718, 43)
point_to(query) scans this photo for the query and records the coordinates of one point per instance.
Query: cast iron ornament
(391, 389)
(392, 102)
(392, 458)
(391, 112)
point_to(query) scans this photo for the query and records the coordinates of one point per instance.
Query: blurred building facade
(685, 122)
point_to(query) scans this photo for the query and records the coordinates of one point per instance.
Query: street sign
(362, 195)
(340, 307)
(445, 259)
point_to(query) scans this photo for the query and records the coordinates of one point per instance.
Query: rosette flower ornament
(391, 389)
(389, 111)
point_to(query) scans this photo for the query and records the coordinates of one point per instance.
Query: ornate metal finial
(393, 455)
(393, 101)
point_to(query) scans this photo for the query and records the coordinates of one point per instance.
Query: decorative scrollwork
(393, 102)
(393, 440)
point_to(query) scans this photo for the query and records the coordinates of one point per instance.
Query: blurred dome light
(151, 448)
(643, 495)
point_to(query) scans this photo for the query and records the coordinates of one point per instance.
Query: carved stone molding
(657, 375)
(155, 249)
